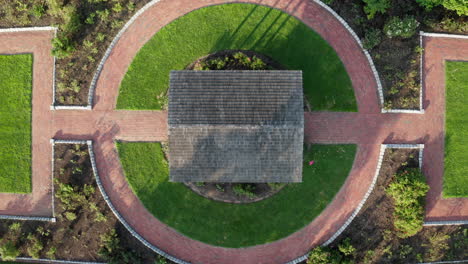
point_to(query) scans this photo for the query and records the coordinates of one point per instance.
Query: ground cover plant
(85, 230)
(388, 29)
(456, 130)
(244, 27)
(372, 236)
(235, 225)
(15, 120)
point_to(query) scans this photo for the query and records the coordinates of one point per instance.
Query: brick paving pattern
(367, 128)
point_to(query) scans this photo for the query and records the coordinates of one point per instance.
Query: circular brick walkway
(368, 129)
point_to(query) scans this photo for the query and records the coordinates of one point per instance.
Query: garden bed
(397, 59)
(373, 236)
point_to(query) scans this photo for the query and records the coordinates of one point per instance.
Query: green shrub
(372, 38)
(161, 260)
(373, 7)
(51, 253)
(38, 10)
(62, 46)
(323, 255)
(459, 6)
(8, 251)
(346, 248)
(70, 216)
(244, 189)
(34, 247)
(429, 4)
(397, 27)
(257, 63)
(112, 251)
(408, 191)
(15, 227)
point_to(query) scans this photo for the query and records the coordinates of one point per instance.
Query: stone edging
(442, 35)
(23, 29)
(27, 218)
(32, 260)
(446, 262)
(383, 147)
(440, 223)
(117, 214)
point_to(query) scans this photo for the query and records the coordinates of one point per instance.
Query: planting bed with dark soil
(236, 192)
(397, 59)
(82, 220)
(372, 233)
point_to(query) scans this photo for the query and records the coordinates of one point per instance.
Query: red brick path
(368, 129)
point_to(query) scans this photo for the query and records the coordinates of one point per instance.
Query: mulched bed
(397, 59)
(372, 233)
(229, 192)
(75, 236)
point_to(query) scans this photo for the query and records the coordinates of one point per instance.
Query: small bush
(373, 7)
(15, 227)
(323, 255)
(34, 247)
(459, 6)
(408, 190)
(51, 253)
(429, 4)
(246, 190)
(8, 251)
(62, 46)
(346, 248)
(397, 27)
(70, 216)
(372, 38)
(38, 10)
(112, 251)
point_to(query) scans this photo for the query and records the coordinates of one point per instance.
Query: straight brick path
(368, 129)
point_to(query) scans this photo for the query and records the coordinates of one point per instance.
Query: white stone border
(355, 36)
(23, 29)
(446, 262)
(117, 214)
(443, 35)
(33, 260)
(383, 147)
(27, 218)
(92, 86)
(440, 223)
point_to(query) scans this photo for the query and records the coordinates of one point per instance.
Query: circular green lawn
(237, 26)
(235, 225)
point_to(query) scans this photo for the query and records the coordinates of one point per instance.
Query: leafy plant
(373, 7)
(38, 10)
(459, 6)
(15, 227)
(51, 253)
(62, 46)
(438, 244)
(429, 4)
(113, 252)
(408, 190)
(397, 27)
(346, 248)
(372, 38)
(35, 246)
(8, 251)
(244, 189)
(323, 255)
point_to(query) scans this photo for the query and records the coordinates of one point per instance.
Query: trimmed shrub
(372, 38)
(404, 28)
(373, 7)
(408, 191)
(429, 4)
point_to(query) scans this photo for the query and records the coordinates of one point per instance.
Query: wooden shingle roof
(236, 126)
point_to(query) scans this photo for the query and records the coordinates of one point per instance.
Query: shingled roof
(236, 126)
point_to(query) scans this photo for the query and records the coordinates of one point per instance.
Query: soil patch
(236, 192)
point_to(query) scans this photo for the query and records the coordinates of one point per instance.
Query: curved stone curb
(117, 214)
(383, 147)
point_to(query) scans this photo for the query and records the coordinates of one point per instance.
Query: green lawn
(15, 123)
(456, 130)
(238, 26)
(234, 225)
